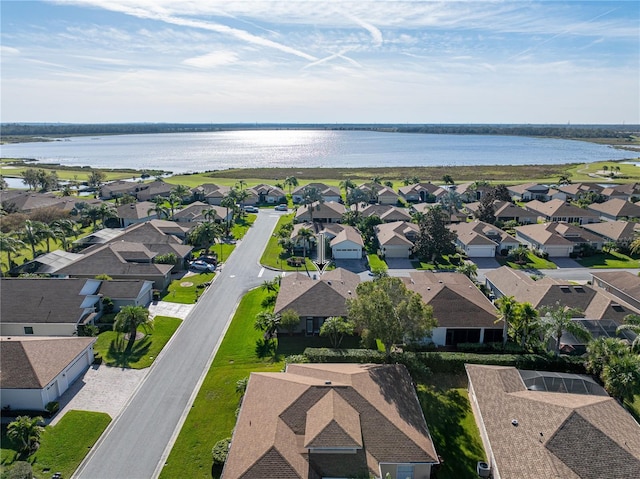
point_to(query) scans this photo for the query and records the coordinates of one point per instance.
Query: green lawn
(533, 262)
(111, 346)
(63, 446)
(376, 263)
(634, 407)
(185, 290)
(444, 262)
(609, 260)
(212, 416)
(275, 257)
(452, 425)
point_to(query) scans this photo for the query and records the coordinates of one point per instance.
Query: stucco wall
(39, 329)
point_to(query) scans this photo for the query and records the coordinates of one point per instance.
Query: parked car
(281, 208)
(251, 209)
(200, 265)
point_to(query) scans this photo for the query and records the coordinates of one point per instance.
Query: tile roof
(43, 300)
(557, 435)
(32, 363)
(456, 301)
(361, 406)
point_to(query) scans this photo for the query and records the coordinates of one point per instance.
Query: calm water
(191, 152)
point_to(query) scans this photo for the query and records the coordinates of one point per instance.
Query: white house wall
(39, 329)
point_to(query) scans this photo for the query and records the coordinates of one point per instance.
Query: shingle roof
(613, 230)
(42, 300)
(122, 289)
(617, 207)
(348, 233)
(625, 281)
(479, 232)
(558, 208)
(322, 297)
(456, 301)
(395, 233)
(326, 209)
(32, 363)
(367, 407)
(557, 435)
(136, 211)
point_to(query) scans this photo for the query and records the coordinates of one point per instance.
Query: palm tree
(634, 247)
(621, 376)
(600, 350)
(558, 319)
(448, 180)
(174, 201)
(469, 269)
(508, 309)
(129, 319)
(272, 286)
(31, 234)
(306, 235)
(92, 213)
(210, 214)
(181, 191)
(268, 322)
(310, 196)
(47, 233)
(228, 202)
(26, 431)
(10, 245)
(160, 210)
(357, 196)
(526, 323)
(346, 185)
(631, 323)
(291, 181)
(204, 235)
(376, 180)
(452, 201)
(240, 195)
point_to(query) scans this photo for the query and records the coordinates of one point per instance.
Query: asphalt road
(135, 444)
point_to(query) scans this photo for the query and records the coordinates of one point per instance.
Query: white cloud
(211, 60)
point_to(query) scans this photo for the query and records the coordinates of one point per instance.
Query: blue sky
(310, 61)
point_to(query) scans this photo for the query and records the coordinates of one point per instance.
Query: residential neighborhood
(529, 297)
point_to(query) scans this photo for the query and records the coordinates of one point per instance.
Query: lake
(193, 152)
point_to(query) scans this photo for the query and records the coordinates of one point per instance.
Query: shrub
(52, 407)
(221, 450)
(20, 470)
(107, 305)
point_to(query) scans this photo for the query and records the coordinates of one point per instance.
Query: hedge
(448, 362)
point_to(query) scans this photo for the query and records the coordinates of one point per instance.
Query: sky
(294, 61)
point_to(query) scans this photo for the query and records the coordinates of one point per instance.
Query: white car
(281, 208)
(200, 265)
(251, 209)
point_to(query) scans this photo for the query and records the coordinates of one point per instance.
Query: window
(404, 471)
(28, 330)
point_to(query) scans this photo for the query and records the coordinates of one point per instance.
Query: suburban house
(133, 213)
(595, 303)
(449, 216)
(531, 191)
(36, 371)
(483, 240)
(379, 193)
(575, 191)
(621, 284)
(323, 212)
(506, 211)
(329, 421)
(315, 300)
(470, 192)
(210, 193)
(195, 213)
(560, 210)
(536, 424)
(47, 306)
(135, 292)
(116, 189)
(396, 239)
(387, 213)
(268, 194)
(347, 244)
(622, 233)
(328, 193)
(149, 191)
(627, 191)
(422, 193)
(464, 314)
(121, 260)
(558, 240)
(29, 201)
(616, 209)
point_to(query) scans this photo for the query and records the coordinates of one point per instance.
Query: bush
(107, 305)
(20, 470)
(220, 451)
(295, 261)
(52, 407)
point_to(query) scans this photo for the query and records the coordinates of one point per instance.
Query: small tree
(220, 451)
(558, 319)
(387, 310)
(621, 376)
(508, 309)
(335, 328)
(290, 320)
(267, 322)
(129, 319)
(434, 238)
(26, 431)
(470, 270)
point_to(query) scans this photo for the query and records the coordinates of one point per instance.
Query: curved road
(137, 440)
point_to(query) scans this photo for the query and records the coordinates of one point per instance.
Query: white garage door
(481, 251)
(346, 253)
(77, 368)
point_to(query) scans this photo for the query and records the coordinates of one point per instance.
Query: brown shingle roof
(613, 230)
(32, 363)
(616, 207)
(557, 435)
(367, 407)
(558, 208)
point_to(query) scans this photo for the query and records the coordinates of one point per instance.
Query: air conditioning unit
(483, 469)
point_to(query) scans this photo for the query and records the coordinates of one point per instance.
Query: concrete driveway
(173, 310)
(101, 389)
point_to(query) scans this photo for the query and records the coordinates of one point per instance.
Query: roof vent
(327, 383)
(514, 422)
